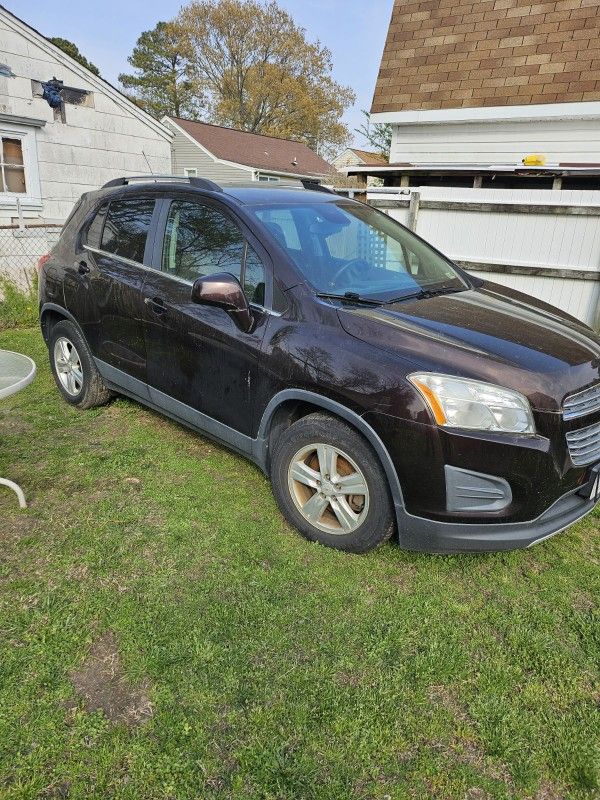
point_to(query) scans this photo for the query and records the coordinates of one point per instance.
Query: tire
(316, 461)
(75, 373)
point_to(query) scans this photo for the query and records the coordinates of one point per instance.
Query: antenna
(147, 162)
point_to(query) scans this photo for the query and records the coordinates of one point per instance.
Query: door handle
(155, 304)
(82, 268)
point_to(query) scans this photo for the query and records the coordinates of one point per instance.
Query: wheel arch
(51, 313)
(319, 402)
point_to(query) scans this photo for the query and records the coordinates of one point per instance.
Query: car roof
(251, 194)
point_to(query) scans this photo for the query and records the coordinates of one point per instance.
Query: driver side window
(200, 240)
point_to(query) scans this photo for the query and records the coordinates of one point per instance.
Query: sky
(354, 31)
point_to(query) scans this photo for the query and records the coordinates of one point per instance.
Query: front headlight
(462, 403)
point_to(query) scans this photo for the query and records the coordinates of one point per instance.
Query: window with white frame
(268, 178)
(12, 166)
(19, 171)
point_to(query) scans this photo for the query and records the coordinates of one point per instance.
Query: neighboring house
(52, 155)
(352, 157)
(82, 133)
(472, 89)
(226, 154)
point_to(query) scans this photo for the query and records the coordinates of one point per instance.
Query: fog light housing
(475, 491)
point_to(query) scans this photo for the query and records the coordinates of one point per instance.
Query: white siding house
(351, 157)
(471, 90)
(49, 157)
(568, 135)
(188, 158)
(495, 154)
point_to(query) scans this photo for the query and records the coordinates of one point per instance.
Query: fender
(63, 312)
(262, 441)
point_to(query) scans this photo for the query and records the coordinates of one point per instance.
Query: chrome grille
(584, 445)
(582, 403)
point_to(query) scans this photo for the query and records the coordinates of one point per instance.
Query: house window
(582, 182)
(12, 166)
(19, 173)
(269, 178)
(190, 172)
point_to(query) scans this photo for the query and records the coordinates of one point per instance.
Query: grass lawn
(164, 634)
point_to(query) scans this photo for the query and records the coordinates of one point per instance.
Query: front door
(199, 362)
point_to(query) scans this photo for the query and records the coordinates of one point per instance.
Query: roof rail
(314, 185)
(200, 183)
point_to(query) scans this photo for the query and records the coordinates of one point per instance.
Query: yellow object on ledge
(534, 160)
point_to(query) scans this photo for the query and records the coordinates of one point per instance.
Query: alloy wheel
(68, 366)
(328, 488)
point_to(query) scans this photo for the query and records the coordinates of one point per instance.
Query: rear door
(105, 287)
(196, 354)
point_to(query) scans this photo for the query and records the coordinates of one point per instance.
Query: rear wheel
(73, 367)
(329, 484)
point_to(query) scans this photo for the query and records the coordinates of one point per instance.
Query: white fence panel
(513, 246)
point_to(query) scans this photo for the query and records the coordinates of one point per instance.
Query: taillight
(41, 262)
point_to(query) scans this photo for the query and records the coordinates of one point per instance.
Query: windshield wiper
(423, 294)
(350, 297)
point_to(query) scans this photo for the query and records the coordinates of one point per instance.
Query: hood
(489, 333)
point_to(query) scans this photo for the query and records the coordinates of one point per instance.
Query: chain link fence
(21, 246)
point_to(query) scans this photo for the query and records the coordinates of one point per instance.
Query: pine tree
(161, 82)
(72, 50)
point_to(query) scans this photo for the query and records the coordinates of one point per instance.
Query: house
(227, 154)
(471, 90)
(64, 131)
(352, 157)
(52, 155)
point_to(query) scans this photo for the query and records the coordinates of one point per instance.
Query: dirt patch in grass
(349, 679)
(404, 579)
(60, 789)
(15, 525)
(548, 792)
(101, 684)
(584, 603)
(474, 793)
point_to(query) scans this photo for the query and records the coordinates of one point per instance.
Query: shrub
(18, 306)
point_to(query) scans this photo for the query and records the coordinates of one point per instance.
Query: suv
(380, 386)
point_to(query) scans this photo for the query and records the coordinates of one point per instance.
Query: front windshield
(343, 247)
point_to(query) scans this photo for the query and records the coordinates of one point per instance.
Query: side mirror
(224, 291)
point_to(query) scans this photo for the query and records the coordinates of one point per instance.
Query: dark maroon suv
(379, 386)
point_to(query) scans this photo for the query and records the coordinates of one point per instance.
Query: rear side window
(126, 228)
(94, 231)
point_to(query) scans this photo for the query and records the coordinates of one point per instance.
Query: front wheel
(330, 485)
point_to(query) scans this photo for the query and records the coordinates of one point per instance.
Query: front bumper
(432, 536)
